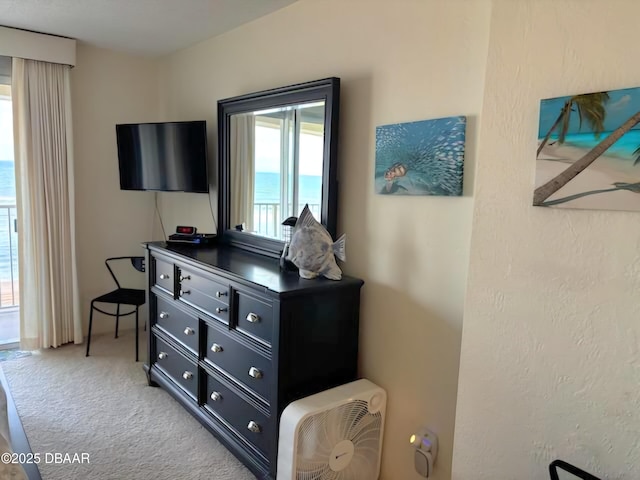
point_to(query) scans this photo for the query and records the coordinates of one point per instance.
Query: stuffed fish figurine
(313, 251)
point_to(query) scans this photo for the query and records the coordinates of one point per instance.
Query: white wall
(550, 362)
(108, 88)
(399, 61)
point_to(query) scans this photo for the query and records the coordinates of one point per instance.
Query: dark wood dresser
(234, 339)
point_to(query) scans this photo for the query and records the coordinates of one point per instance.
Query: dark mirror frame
(327, 89)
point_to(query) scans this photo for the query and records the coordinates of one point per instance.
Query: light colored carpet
(102, 405)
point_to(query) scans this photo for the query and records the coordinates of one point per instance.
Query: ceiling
(142, 27)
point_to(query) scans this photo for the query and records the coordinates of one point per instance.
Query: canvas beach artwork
(588, 153)
(420, 158)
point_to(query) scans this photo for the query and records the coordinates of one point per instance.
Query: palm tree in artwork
(636, 153)
(552, 186)
(590, 108)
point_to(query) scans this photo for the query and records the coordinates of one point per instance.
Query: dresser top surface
(244, 266)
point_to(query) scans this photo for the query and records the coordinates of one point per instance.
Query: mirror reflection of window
(311, 159)
(272, 149)
(276, 166)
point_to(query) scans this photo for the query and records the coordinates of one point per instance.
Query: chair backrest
(568, 472)
(136, 262)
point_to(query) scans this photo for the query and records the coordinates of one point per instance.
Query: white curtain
(243, 170)
(49, 302)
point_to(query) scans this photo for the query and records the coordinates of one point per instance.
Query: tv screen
(169, 157)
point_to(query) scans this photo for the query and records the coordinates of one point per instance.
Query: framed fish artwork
(421, 158)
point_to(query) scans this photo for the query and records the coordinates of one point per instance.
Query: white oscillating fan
(333, 435)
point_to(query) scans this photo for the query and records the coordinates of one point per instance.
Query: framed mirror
(277, 152)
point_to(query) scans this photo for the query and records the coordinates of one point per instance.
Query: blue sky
(621, 106)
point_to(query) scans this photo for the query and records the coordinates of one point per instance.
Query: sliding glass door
(9, 298)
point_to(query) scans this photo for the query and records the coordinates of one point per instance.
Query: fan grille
(320, 433)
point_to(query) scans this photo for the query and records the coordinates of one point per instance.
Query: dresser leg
(147, 371)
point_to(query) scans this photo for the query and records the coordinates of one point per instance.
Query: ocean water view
(623, 148)
(267, 217)
(267, 188)
(8, 236)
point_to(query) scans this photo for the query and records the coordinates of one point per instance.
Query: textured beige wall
(108, 88)
(550, 362)
(399, 61)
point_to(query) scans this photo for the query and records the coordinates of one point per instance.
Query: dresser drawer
(164, 275)
(255, 317)
(191, 280)
(180, 369)
(205, 294)
(180, 325)
(248, 421)
(245, 365)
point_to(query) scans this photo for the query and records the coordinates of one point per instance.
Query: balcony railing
(9, 296)
(267, 220)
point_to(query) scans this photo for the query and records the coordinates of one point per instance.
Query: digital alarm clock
(183, 230)
(185, 234)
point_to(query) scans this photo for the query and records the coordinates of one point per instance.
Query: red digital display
(186, 230)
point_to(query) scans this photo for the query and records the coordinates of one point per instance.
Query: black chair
(120, 296)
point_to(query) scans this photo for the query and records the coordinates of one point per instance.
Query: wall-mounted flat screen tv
(168, 157)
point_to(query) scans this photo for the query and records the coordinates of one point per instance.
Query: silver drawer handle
(253, 317)
(162, 355)
(255, 373)
(216, 348)
(254, 427)
(164, 315)
(187, 375)
(215, 396)
(221, 294)
(164, 276)
(185, 292)
(220, 310)
(189, 331)
(185, 277)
